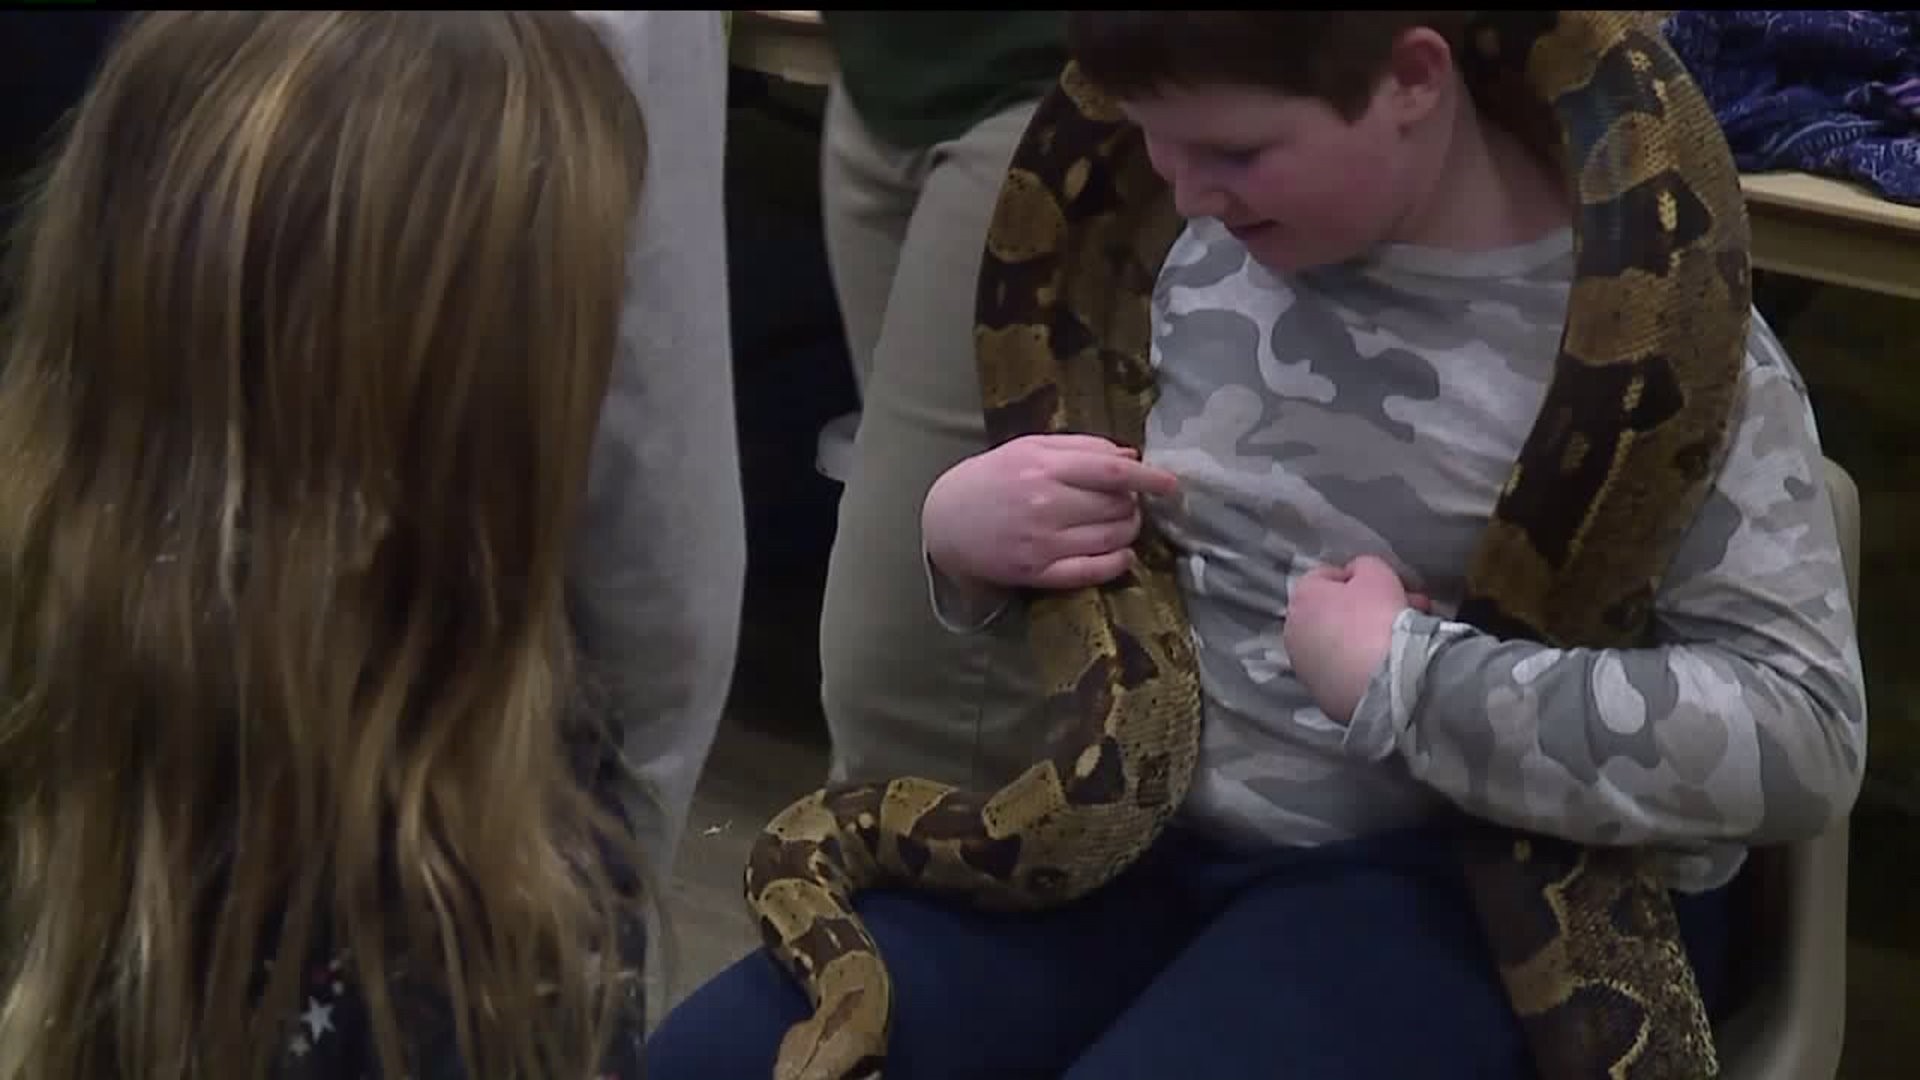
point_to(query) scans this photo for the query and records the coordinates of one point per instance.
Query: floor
(770, 751)
(753, 774)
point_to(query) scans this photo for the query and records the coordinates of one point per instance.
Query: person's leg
(659, 566)
(867, 193)
(976, 994)
(1361, 962)
(902, 694)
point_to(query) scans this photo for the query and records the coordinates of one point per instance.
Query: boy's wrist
(1385, 708)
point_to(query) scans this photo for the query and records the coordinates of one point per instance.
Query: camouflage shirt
(1376, 409)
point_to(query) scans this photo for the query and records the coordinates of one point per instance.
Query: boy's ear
(1419, 71)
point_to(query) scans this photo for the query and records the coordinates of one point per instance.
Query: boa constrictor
(1633, 425)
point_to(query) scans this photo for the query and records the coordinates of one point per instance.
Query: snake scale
(1633, 424)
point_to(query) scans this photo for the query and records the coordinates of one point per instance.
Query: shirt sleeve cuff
(1386, 708)
(963, 609)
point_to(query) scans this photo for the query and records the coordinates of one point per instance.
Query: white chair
(1791, 1017)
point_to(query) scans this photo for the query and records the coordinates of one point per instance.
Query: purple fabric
(1835, 93)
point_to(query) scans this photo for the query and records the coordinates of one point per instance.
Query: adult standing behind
(921, 122)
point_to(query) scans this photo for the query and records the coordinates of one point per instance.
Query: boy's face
(1293, 180)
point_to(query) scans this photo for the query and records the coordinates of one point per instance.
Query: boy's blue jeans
(1354, 961)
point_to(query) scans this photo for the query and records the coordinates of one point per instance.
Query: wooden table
(1833, 231)
(1804, 226)
(790, 45)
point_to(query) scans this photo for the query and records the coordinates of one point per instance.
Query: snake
(1633, 426)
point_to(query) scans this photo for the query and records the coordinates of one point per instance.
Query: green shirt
(922, 77)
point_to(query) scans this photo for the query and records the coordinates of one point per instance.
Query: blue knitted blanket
(1836, 93)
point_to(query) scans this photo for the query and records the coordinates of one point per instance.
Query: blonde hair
(313, 314)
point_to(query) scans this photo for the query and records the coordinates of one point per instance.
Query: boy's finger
(1372, 567)
(1113, 473)
(1090, 444)
(1330, 572)
(1095, 538)
(1079, 571)
(1066, 506)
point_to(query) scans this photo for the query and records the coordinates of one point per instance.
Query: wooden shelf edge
(1829, 198)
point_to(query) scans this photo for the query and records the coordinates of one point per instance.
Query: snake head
(846, 1037)
(811, 1052)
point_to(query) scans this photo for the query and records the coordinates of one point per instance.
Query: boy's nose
(1194, 194)
(1197, 200)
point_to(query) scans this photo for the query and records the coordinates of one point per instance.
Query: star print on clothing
(318, 1018)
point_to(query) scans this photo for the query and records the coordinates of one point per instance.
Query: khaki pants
(904, 233)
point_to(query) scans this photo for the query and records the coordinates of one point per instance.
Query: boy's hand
(1339, 627)
(1046, 511)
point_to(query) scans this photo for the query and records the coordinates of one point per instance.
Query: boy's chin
(1283, 261)
(1274, 254)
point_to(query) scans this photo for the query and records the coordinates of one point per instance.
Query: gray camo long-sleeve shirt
(1376, 409)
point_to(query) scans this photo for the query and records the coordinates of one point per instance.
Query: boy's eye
(1237, 155)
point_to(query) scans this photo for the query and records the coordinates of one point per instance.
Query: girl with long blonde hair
(313, 319)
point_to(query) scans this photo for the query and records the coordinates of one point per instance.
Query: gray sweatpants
(904, 232)
(658, 574)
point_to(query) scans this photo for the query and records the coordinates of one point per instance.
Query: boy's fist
(1044, 511)
(1339, 628)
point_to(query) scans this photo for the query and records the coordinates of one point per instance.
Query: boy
(1353, 335)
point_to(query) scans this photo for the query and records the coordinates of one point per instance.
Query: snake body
(1634, 423)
